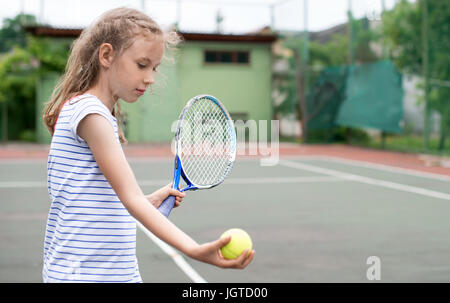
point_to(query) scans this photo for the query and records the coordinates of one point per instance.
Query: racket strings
(206, 143)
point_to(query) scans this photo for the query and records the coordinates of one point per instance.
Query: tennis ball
(240, 241)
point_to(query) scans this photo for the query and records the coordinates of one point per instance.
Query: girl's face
(133, 71)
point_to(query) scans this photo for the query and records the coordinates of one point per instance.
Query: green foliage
(339, 134)
(402, 32)
(408, 143)
(24, 59)
(27, 135)
(402, 28)
(333, 53)
(362, 37)
(336, 50)
(17, 76)
(12, 32)
(18, 89)
(52, 55)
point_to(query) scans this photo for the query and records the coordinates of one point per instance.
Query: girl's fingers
(249, 259)
(241, 259)
(233, 263)
(221, 242)
(176, 193)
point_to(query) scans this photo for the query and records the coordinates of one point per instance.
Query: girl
(91, 233)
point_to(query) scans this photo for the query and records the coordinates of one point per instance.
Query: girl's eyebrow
(149, 61)
(145, 59)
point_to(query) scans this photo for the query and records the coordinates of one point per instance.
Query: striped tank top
(90, 236)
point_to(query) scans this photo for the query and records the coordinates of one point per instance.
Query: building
(237, 69)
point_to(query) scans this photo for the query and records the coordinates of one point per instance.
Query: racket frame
(178, 163)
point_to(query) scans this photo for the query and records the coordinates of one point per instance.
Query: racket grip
(167, 205)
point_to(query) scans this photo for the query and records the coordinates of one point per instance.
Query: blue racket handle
(167, 206)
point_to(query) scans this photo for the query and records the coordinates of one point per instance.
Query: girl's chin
(130, 99)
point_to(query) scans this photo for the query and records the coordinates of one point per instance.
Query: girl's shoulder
(76, 109)
(83, 100)
(87, 102)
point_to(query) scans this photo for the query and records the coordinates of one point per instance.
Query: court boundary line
(384, 167)
(360, 163)
(162, 182)
(367, 180)
(174, 255)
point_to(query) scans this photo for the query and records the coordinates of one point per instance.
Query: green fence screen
(373, 98)
(366, 95)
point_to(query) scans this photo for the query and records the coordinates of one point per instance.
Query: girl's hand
(210, 253)
(157, 197)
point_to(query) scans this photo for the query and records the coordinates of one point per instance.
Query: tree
(402, 28)
(26, 58)
(332, 53)
(17, 92)
(12, 32)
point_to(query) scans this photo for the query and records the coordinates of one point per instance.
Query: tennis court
(314, 217)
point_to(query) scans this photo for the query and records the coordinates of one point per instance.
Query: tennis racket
(205, 147)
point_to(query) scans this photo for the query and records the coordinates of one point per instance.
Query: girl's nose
(148, 80)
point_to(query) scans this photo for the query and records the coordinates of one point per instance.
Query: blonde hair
(118, 27)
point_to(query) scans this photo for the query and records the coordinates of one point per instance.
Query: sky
(239, 16)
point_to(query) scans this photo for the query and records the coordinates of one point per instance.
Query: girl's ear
(106, 54)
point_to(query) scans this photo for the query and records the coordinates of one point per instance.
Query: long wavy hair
(119, 27)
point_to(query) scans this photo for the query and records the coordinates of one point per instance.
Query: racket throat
(177, 174)
(189, 187)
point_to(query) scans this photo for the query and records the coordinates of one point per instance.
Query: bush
(28, 135)
(339, 135)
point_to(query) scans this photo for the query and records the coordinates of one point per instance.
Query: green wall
(44, 89)
(150, 119)
(241, 88)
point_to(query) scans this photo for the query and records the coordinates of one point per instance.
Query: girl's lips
(140, 91)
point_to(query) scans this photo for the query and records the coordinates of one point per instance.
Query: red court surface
(419, 162)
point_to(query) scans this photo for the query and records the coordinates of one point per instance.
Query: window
(242, 57)
(227, 57)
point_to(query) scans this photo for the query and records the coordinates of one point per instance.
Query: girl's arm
(99, 135)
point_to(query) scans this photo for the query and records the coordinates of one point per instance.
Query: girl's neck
(105, 95)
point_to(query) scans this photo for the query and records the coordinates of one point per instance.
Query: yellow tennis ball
(240, 241)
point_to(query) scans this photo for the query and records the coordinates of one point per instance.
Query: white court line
(273, 180)
(259, 180)
(176, 257)
(383, 167)
(22, 184)
(367, 180)
(18, 161)
(162, 182)
(378, 166)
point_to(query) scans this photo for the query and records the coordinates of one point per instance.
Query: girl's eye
(142, 66)
(155, 69)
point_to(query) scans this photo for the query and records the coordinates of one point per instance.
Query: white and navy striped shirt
(90, 236)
